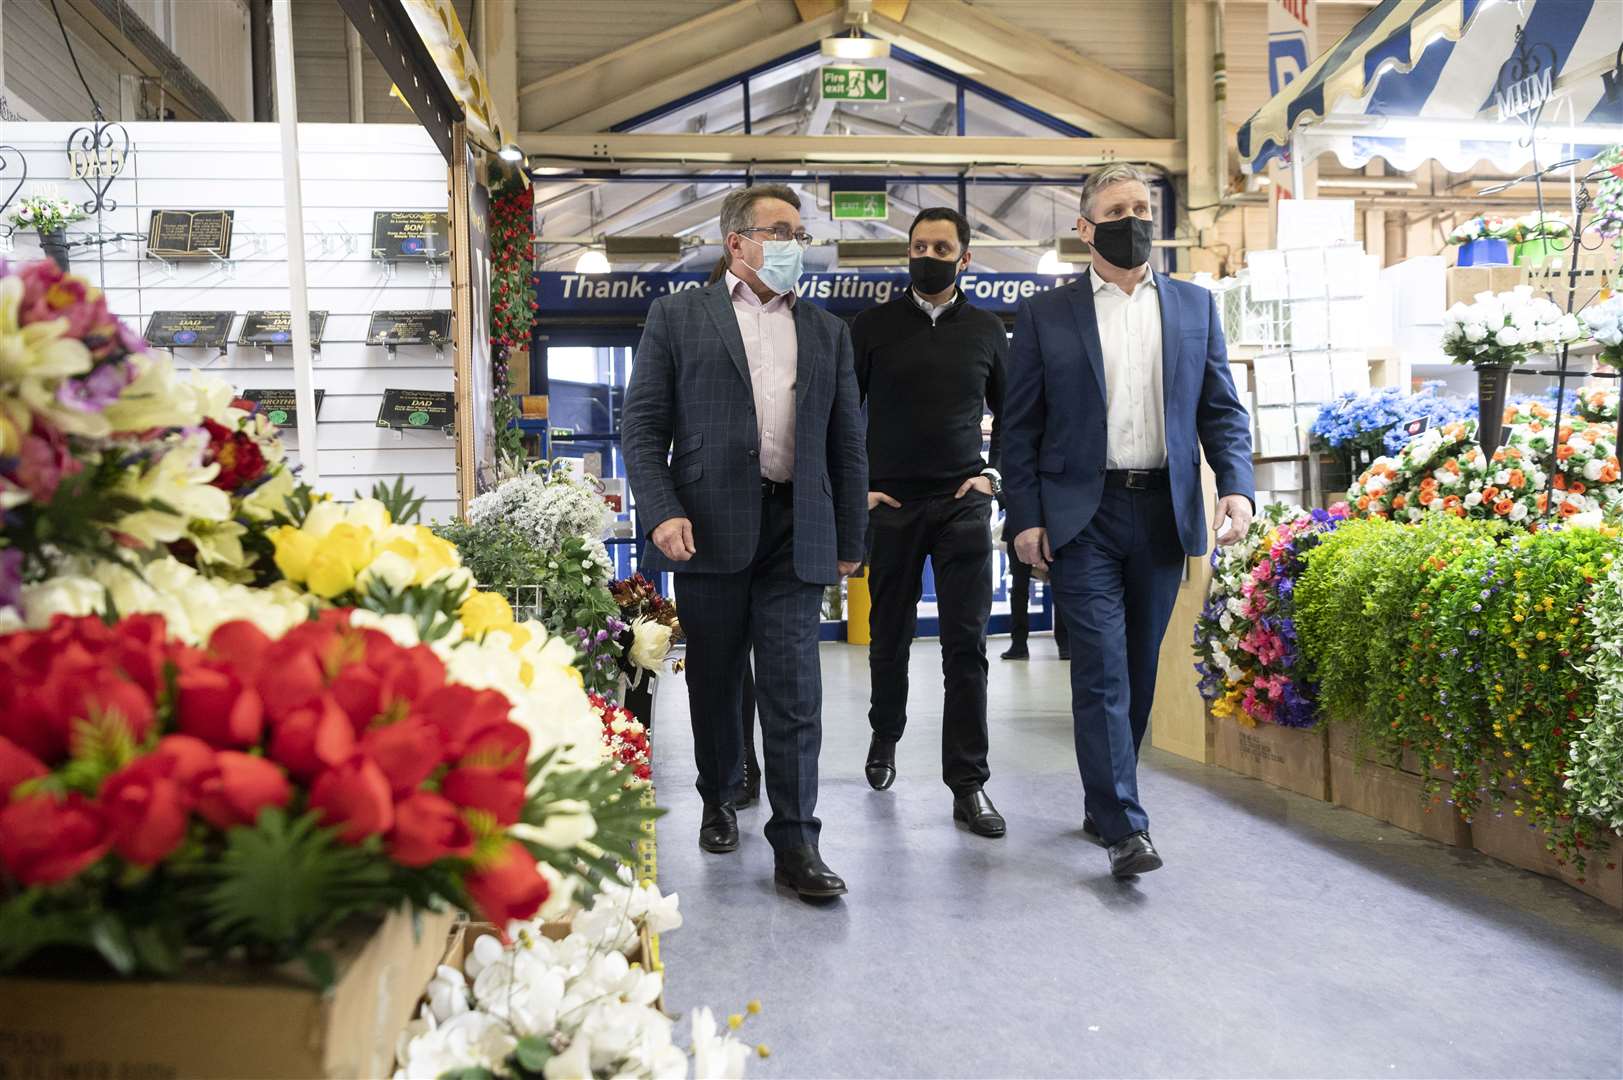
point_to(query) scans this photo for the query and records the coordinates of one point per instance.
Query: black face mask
(932, 276)
(1124, 243)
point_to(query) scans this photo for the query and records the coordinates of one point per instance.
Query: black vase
(55, 246)
(639, 698)
(1492, 386)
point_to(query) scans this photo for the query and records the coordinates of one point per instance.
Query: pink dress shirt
(772, 348)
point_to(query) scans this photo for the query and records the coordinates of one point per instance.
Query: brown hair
(738, 214)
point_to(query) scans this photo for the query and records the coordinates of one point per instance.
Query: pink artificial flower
(44, 461)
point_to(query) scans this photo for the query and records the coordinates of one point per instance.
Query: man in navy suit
(1117, 382)
(761, 504)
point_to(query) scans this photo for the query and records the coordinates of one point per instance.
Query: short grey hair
(738, 208)
(1119, 172)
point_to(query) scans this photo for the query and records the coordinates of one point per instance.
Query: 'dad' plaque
(190, 329)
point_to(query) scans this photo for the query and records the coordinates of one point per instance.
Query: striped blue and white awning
(1415, 80)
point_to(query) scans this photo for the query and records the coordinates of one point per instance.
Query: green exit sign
(861, 206)
(856, 84)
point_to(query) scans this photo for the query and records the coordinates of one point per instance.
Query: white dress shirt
(1130, 337)
(932, 310)
(772, 348)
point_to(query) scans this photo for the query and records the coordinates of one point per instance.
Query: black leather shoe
(718, 829)
(752, 780)
(1134, 855)
(1091, 831)
(881, 767)
(1016, 652)
(977, 811)
(803, 870)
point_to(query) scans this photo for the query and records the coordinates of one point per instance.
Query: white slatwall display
(349, 171)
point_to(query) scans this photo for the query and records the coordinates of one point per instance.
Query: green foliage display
(1464, 642)
(499, 556)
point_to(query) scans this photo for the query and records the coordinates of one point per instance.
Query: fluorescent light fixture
(855, 48)
(642, 249)
(870, 253)
(592, 261)
(510, 153)
(1051, 263)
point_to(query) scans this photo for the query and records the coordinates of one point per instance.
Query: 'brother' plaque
(280, 407)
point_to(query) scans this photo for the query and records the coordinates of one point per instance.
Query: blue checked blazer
(691, 398)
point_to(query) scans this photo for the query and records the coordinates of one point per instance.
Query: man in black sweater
(929, 366)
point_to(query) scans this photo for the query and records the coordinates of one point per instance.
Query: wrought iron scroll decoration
(96, 156)
(10, 229)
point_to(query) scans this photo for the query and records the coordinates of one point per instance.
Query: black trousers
(1020, 598)
(767, 608)
(956, 535)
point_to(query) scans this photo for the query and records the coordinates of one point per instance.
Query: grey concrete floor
(1284, 937)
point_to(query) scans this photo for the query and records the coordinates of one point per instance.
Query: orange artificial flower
(1567, 509)
(1503, 507)
(1563, 452)
(1517, 478)
(1399, 502)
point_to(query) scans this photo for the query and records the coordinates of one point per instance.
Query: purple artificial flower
(11, 578)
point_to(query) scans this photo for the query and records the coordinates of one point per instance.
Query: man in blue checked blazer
(745, 449)
(1116, 384)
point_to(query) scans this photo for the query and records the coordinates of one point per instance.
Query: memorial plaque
(270, 328)
(190, 329)
(427, 409)
(411, 234)
(426, 327)
(190, 234)
(280, 407)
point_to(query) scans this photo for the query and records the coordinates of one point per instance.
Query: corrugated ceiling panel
(1245, 34)
(38, 69)
(320, 42)
(554, 35)
(1135, 38)
(212, 39)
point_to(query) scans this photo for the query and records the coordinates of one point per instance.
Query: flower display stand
(1291, 758)
(1511, 839)
(1394, 793)
(1487, 251)
(231, 1021)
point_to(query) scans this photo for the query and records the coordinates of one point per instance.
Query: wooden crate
(1510, 839)
(230, 1021)
(1292, 758)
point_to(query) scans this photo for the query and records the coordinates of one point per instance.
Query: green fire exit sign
(855, 84)
(861, 206)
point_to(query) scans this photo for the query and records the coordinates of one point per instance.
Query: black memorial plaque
(190, 329)
(425, 409)
(427, 327)
(280, 407)
(271, 328)
(411, 234)
(190, 234)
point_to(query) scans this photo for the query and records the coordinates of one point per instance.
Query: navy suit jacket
(691, 398)
(1054, 426)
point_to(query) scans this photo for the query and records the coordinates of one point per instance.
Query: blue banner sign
(566, 294)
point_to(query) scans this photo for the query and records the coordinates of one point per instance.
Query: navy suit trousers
(767, 608)
(1115, 586)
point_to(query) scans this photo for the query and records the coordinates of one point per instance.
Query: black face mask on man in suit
(1124, 242)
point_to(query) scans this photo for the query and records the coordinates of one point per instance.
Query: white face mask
(781, 264)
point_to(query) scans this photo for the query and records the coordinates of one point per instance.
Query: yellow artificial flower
(482, 612)
(294, 550)
(11, 437)
(435, 555)
(351, 543)
(330, 573)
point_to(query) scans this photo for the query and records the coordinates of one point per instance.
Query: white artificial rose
(368, 514)
(1475, 332)
(322, 518)
(1508, 336)
(650, 645)
(390, 567)
(401, 629)
(1589, 519)
(1474, 499)
(63, 595)
(1518, 512)
(1593, 469)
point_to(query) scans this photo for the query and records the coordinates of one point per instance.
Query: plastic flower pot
(1492, 385)
(1537, 252)
(55, 246)
(1487, 251)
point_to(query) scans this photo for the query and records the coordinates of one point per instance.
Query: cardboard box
(1291, 758)
(1464, 282)
(235, 1021)
(1392, 795)
(1513, 840)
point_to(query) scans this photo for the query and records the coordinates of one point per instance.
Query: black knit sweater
(926, 388)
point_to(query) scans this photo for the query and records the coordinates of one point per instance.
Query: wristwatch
(997, 481)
